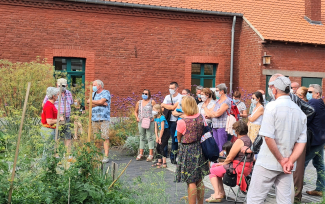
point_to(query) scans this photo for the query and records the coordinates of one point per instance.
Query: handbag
(145, 122)
(230, 178)
(168, 113)
(209, 146)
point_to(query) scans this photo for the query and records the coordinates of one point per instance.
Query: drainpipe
(232, 53)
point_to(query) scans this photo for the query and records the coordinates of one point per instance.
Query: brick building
(137, 44)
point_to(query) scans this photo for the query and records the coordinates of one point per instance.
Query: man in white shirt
(283, 129)
(171, 102)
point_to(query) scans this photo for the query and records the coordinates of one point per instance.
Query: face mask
(64, 89)
(234, 133)
(199, 95)
(218, 94)
(235, 100)
(95, 88)
(75, 103)
(204, 98)
(309, 96)
(253, 101)
(172, 91)
(271, 93)
(263, 97)
(291, 91)
(145, 97)
(154, 113)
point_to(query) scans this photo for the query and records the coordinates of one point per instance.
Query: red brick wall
(132, 49)
(295, 57)
(247, 71)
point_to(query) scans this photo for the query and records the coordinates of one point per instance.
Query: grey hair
(317, 88)
(99, 82)
(52, 91)
(222, 87)
(199, 87)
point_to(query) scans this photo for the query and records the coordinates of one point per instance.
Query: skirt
(253, 130)
(192, 165)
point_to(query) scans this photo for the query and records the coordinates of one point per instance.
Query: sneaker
(105, 160)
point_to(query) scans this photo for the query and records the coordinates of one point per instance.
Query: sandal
(150, 158)
(164, 165)
(213, 200)
(157, 164)
(139, 157)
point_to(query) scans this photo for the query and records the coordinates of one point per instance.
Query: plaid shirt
(221, 121)
(68, 95)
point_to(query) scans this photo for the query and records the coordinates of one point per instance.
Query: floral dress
(192, 165)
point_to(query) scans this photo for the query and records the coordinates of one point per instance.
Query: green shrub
(132, 145)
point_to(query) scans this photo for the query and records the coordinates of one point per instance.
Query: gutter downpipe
(232, 53)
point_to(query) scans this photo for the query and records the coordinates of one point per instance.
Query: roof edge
(253, 28)
(163, 8)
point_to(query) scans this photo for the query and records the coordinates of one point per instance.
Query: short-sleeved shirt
(69, 101)
(102, 112)
(221, 121)
(49, 112)
(201, 110)
(284, 122)
(161, 119)
(168, 101)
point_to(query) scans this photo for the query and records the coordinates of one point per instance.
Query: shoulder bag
(168, 113)
(145, 122)
(209, 146)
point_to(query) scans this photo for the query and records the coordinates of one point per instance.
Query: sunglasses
(145, 94)
(310, 92)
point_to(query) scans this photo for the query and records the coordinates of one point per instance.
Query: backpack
(234, 111)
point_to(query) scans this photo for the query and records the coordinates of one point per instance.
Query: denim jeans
(172, 129)
(316, 154)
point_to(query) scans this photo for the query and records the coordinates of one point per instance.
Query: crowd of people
(291, 124)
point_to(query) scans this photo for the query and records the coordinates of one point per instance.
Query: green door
(306, 81)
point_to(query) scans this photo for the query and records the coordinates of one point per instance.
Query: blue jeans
(316, 154)
(172, 129)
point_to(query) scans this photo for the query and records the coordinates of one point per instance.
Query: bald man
(294, 87)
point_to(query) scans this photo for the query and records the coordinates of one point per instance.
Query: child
(225, 151)
(162, 135)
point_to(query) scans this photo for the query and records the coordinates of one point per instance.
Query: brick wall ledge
(294, 73)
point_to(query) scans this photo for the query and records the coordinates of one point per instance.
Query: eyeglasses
(310, 92)
(145, 94)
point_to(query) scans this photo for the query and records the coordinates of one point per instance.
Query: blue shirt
(159, 120)
(316, 122)
(102, 112)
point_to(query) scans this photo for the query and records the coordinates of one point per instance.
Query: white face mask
(263, 97)
(291, 91)
(218, 94)
(204, 98)
(253, 101)
(172, 91)
(271, 93)
(154, 113)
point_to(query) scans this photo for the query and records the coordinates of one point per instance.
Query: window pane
(208, 69)
(76, 81)
(194, 83)
(196, 69)
(60, 64)
(208, 83)
(76, 65)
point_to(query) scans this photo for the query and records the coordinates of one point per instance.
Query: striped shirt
(68, 96)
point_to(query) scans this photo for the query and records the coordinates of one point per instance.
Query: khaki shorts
(102, 128)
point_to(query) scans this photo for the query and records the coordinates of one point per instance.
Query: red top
(49, 112)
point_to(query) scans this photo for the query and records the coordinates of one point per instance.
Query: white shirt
(210, 105)
(168, 101)
(284, 122)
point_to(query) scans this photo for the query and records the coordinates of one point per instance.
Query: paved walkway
(176, 191)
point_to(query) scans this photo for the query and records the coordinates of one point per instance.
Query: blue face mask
(309, 96)
(95, 88)
(199, 95)
(145, 97)
(235, 100)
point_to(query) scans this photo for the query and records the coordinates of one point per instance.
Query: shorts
(101, 127)
(65, 130)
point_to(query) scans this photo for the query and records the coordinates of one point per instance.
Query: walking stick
(90, 110)
(58, 120)
(18, 142)
(119, 175)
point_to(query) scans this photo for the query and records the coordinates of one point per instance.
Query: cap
(62, 81)
(281, 83)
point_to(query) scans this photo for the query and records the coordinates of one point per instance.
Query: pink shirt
(181, 126)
